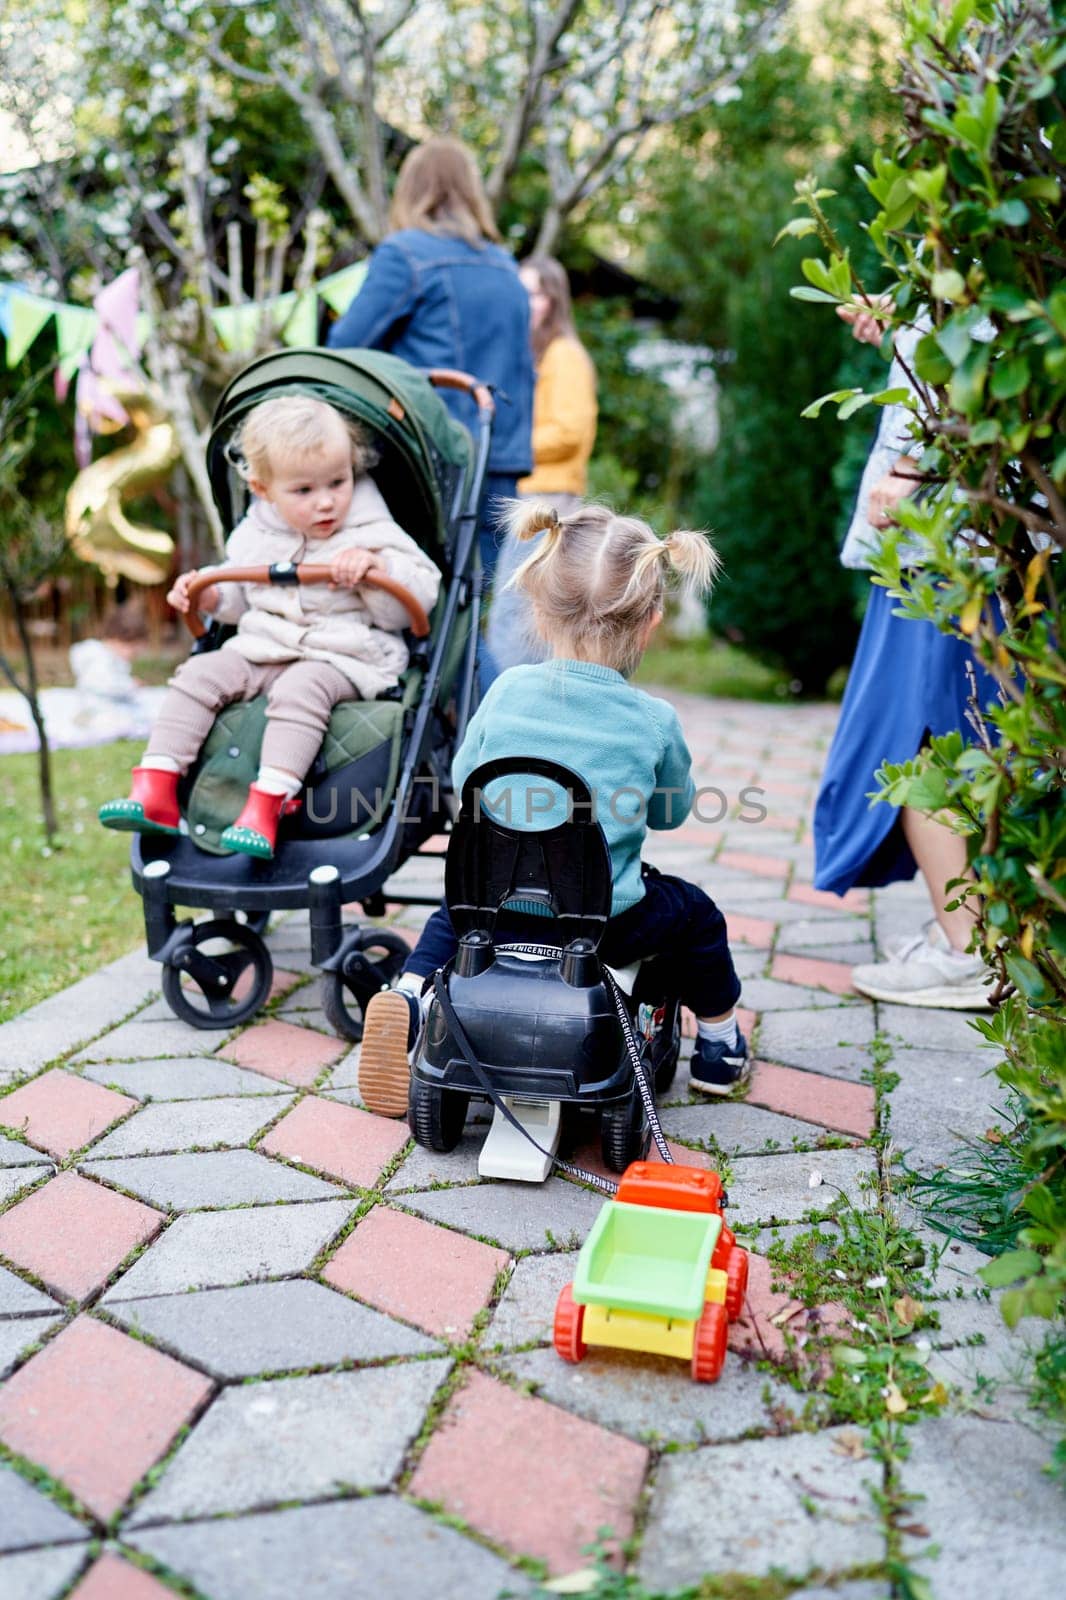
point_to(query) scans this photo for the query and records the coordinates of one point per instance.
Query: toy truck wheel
(569, 1321)
(708, 1347)
(736, 1282)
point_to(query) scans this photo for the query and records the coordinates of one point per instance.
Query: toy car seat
(527, 986)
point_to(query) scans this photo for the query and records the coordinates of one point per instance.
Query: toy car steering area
(287, 573)
(660, 1272)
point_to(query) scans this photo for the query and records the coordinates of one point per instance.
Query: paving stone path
(258, 1344)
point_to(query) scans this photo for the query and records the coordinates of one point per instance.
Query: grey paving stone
(924, 1028)
(653, 1398)
(213, 1249)
(18, 1299)
(527, 1306)
(989, 1505)
(345, 1074)
(269, 1327)
(13, 1153)
(425, 1169)
(179, 1125)
(218, 1178)
(749, 964)
(142, 1041)
(800, 938)
(927, 1127)
(74, 1015)
(14, 1179)
(186, 1078)
(834, 1042)
(776, 1188)
(770, 994)
(379, 1546)
(763, 898)
(28, 1517)
(550, 1216)
(295, 1439)
(762, 1493)
(737, 1128)
(40, 1574)
(17, 1334)
(861, 1589)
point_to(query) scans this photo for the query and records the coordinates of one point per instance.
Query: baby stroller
(380, 787)
(539, 1018)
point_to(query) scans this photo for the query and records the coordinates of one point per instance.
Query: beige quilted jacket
(356, 630)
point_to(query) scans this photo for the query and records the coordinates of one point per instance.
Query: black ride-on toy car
(532, 1013)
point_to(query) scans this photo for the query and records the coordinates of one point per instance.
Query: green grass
(68, 910)
(709, 666)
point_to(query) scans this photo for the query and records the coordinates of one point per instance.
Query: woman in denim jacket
(440, 292)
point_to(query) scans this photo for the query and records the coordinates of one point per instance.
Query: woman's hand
(869, 321)
(352, 566)
(887, 493)
(178, 597)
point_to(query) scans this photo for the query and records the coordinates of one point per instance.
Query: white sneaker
(925, 971)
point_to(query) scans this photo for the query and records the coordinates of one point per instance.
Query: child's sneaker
(390, 1028)
(719, 1068)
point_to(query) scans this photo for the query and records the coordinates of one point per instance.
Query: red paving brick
(339, 1140)
(111, 1578)
(529, 1476)
(831, 1102)
(96, 1409)
(768, 1312)
(73, 1233)
(437, 1279)
(282, 1050)
(756, 931)
(281, 983)
(813, 973)
(761, 866)
(854, 900)
(59, 1112)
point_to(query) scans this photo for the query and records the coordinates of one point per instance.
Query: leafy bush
(968, 229)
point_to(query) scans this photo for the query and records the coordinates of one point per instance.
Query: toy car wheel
(736, 1282)
(624, 1132)
(709, 1344)
(569, 1322)
(666, 1048)
(219, 975)
(436, 1116)
(372, 967)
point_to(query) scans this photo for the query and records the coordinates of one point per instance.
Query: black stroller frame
(325, 874)
(500, 1024)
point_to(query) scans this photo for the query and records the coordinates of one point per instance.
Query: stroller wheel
(364, 971)
(666, 1048)
(624, 1132)
(219, 975)
(435, 1116)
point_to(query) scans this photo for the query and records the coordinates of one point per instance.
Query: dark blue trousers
(676, 932)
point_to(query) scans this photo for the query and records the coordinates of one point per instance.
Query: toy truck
(660, 1271)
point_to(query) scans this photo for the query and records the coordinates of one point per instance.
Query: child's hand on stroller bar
(352, 566)
(178, 597)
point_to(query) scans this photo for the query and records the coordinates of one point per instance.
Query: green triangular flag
(299, 326)
(27, 315)
(75, 332)
(341, 288)
(236, 326)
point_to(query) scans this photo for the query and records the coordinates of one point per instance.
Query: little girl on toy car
(305, 648)
(596, 585)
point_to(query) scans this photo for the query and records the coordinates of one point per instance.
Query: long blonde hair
(554, 283)
(597, 578)
(439, 190)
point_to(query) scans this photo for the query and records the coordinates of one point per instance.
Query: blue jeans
(675, 930)
(497, 487)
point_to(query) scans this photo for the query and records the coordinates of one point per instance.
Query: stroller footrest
(507, 1154)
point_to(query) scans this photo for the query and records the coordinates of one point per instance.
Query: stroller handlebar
(287, 573)
(450, 378)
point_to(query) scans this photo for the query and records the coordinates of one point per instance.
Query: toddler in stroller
(301, 428)
(596, 585)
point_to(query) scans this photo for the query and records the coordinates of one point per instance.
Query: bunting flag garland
(24, 316)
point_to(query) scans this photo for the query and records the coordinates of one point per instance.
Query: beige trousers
(300, 697)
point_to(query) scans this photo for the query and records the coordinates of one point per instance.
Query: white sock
(275, 781)
(725, 1032)
(160, 763)
(411, 983)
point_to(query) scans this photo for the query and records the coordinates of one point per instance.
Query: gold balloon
(97, 526)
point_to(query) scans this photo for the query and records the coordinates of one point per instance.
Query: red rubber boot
(152, 805)
(255, 831)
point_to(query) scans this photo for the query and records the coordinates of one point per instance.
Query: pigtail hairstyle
(597, 579)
